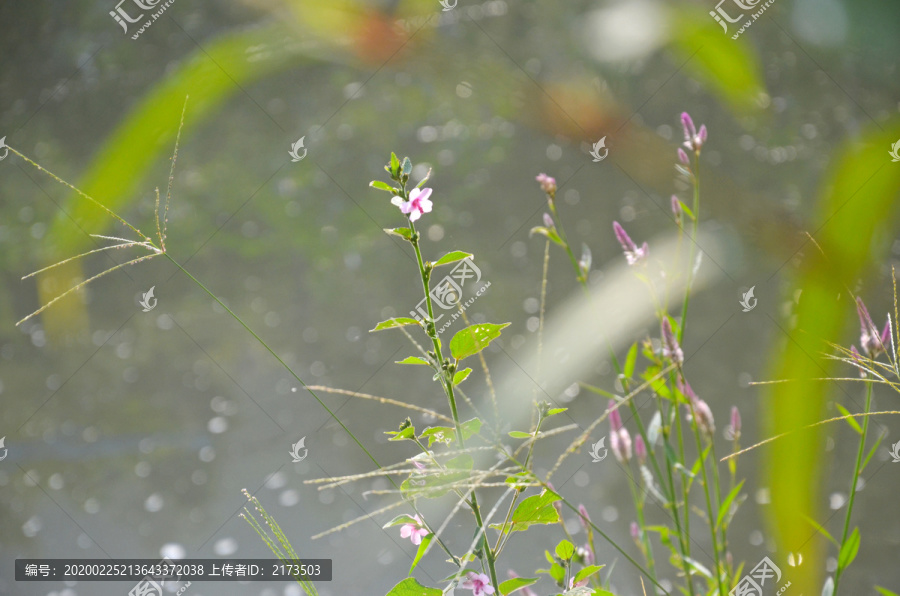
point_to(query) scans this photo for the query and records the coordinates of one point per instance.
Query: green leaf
(515, 584)
(555, 411)
(447, 434)
(630, 361)
(550, 233)
(402, 232)
(871, 452)
(394, 168)
(382, 186)
(565, 550)
(598, 391)
(407, 166)
(423, 546)
(849, 550)
(413, 360)
(411, 587)
(885, 591)
(518, 434)
(536, 509)
(474, 339)
(407, 431)
(452, 257)
(400, 520)
(726, 504)
(461, 376)
(587, 572)
(851, 421)
(396, 322)
(823, 531)
(558, 573)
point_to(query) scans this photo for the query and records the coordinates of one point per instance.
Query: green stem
(562, 236)
(856, 471)
(690, 280)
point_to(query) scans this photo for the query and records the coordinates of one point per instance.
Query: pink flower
(584, 518)
(548, 183)
(735, 423)
(415, 532)
(705, 420)
(417, 205)
(871, 342)
(683, 157)
(479, 583)
(633, 254)
(635, 530)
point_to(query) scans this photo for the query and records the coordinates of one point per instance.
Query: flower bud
(640, 449)
(671, 349)
(548, 221)
(735, 422)
(548, 184)
(584, 518)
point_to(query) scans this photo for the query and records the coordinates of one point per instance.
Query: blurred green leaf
(515, 584)
(851, 421)
(395, 322)
(423, 546)
(411, 587)
(849, 550)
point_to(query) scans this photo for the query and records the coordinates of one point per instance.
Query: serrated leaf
(515, 584)
(400, 519)
(452, 257)
(382, 186)
(849, 550)
(411, 587)
(461, 375)
(587, 572)
(423, 546)
(851, 421)
(565, 550)
(395, 322)
(518, 434)
(413, 360)
(474, 339)
(402, 232)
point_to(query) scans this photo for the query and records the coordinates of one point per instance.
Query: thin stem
(856, 470)
(696, 208)
(562, 236)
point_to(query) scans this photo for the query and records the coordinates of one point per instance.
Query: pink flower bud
(677, 211)
(687, 124)
(620, 445)
(548, 221)
(735, 422)
(640, 449)
(635, 531)
(548, 184)
(701, 136)
(683, 157)
(633, 254)
(671, 349)
(584, 518)
(858, 358)
(869, 338)
(615, 419)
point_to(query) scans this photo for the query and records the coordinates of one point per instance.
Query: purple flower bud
(735, 422)
(633, 254)
(676, 208)
(548, 221)
(886, 333)
(635, 531)
(548, 184)
(701, 136)
(705, 420)
(584, 518)
(640, 449)
(671, 349)
(683, 157)
(689, 131)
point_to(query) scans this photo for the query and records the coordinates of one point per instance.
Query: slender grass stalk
(856, 472)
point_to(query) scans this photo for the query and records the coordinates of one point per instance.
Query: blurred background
(131, 434)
